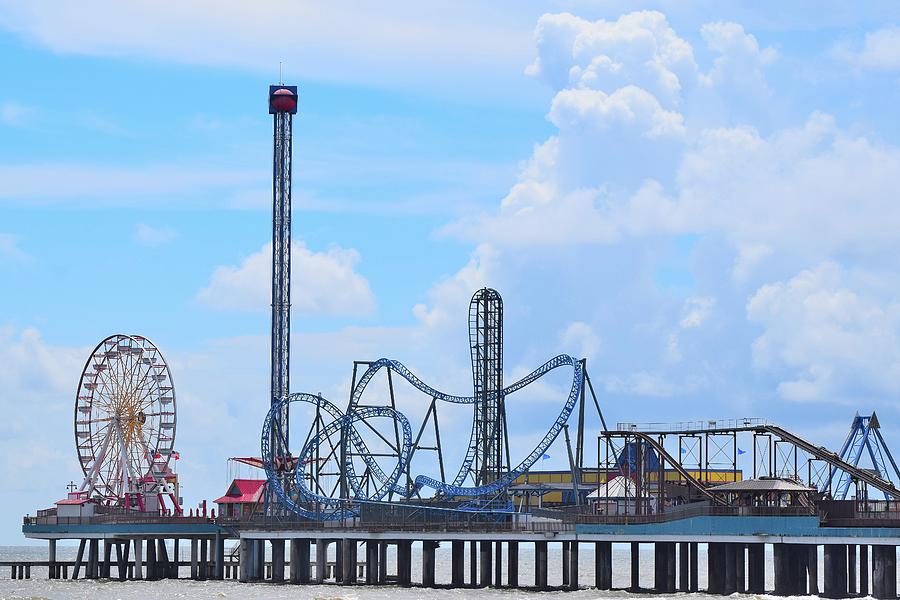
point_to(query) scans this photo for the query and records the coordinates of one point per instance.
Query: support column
(195, 564)
(53, 574)
(603, 565)
(781, 567)
(498, 564)
(635, 566)
(371, 562)
(670, 567)
(573, 565)
(457, 563)
(512, 564)
(884, 572)
(299, 561)
(121, 568)
(473, 563)
(836, 571)
(756, 567)
(382, 562)
(730, 586)
(348, 566)
(107, 559)
(259, 559)
(152, 571)
(800, 558)
(740, 574)
(694, 575)
(540, 565)
(204, 561)
(660, 568)
(339, 561)
(851, 569)
(220, 556)
(565, 564)
(321, 559)
(428, 548)
(138, 559)
(715, 568)
(864, 570)
(244, 558)
(162, 559)
(485, 558)
(277, 560)
(93, 559)
(404, 562)
(176, 558)
(683, 564)
(812, 569)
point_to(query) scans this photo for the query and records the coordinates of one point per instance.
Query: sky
(697, 197)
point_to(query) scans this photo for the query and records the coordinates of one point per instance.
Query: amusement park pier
(346, 490)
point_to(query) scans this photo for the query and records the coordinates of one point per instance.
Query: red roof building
(243, 498)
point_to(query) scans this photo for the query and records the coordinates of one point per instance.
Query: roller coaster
(337, 470)
(483, 464)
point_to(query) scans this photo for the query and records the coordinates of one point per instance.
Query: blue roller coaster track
(307, 503)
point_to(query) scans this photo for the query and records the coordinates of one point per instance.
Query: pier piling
(485, 559)
(512, 564)
(277, 560)
(603, 565)
(635, 566)
(540, 565)
(457, 563)
(428, 562)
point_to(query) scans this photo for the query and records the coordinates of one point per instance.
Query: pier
(858, 560)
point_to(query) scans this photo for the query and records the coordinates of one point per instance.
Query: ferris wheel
(125, 422)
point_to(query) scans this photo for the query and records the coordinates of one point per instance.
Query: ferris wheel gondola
(125, 422)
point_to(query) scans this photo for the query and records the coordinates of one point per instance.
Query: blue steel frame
(865, 434)
(337, 508)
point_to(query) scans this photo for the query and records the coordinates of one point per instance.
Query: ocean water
(40, 587)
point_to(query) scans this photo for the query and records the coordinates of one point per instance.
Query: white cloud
(343, 41)
(10, 250)
(15, 114)
(331, 286)
(154, 236)
(622, 91)
(639, 48)
(740, 62)
(832, 335)
(880, 50)
(629, 106)
(579, 335)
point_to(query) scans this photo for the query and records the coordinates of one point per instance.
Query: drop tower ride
(282, 106)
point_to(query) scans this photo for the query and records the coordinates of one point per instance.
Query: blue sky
(699, 198)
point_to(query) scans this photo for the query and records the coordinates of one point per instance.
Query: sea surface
(40, 587)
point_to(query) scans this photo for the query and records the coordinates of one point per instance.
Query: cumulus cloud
(833, 336)
(638, 48)
(148, 235)
(880, 50)
(622, 157)
(741, 61)
(330, 282)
